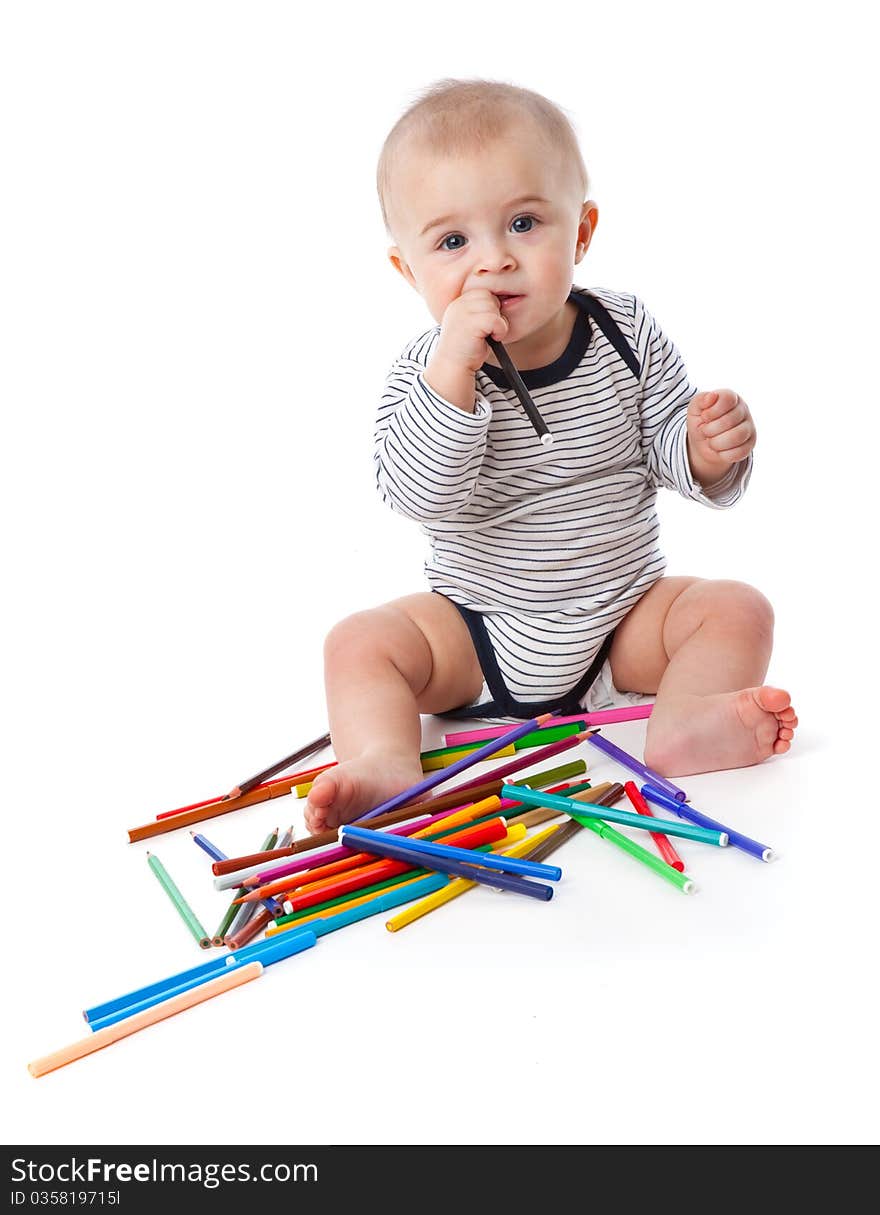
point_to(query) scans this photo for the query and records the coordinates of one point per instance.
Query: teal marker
(534, 797)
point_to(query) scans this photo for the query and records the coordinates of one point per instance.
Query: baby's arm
(697, 443)
(432, 424)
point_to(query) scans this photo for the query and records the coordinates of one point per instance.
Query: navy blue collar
(559, 369)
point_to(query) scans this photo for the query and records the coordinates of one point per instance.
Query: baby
(544, 567)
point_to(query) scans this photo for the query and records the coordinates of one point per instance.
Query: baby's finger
(733, 455)
(735, 437)
(735, 416)
(700, 402)
(724, 402)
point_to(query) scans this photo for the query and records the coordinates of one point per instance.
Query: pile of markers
(408, 856)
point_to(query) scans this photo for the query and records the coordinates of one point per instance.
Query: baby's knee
(355, 635)
(740, 604)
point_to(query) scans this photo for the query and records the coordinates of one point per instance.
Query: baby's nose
(494, 257)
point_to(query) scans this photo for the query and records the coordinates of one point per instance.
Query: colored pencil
(206, 846)
(518, 386)
(235, 977)
(429, 849)
(240, 916)
(288, 781)
(217, 965)
(232, 909)
(598, 718)
(183, 908)
(535, 797)
(458, 886)
(317, 744)
(736, 838)
(664, 845)
(636, 765)
(253, 925)
(435, 778)
(160, 826)
(383, 846)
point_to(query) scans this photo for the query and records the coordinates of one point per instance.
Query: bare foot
(728, 730)
(349, 789)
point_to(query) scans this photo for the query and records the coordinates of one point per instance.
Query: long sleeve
(666, 394)
(427, 451)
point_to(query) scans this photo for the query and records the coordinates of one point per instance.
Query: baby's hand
(720, 433)
(467, 322)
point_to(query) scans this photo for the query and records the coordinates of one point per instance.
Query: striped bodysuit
(544, 550)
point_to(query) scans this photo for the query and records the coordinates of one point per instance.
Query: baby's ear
(397, 261)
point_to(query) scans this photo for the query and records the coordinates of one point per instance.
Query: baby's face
(509, 218)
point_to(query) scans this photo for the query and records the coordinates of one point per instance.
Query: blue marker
(273, 950)
(507, 864)
(735, 838)
(382, 844)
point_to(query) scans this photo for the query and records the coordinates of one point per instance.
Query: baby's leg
(703, 647)
(382, 669)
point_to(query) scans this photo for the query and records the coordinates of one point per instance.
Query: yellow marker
(435, 762)
(459, 885)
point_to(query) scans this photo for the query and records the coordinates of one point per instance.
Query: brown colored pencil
(256, 923)
(317, 744)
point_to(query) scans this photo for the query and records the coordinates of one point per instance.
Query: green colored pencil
(185, 911)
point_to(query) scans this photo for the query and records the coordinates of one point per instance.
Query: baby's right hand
(467, 322)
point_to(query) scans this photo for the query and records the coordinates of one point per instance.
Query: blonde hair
(455, 116)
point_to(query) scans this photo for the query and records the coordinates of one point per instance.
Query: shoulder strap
(606, 322)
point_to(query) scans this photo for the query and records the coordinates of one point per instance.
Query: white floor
(620, 1011)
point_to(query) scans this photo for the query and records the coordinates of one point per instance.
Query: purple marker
(635, 765)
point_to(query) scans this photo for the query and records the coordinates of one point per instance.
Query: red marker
(664, 847)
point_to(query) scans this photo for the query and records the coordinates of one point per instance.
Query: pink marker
(629, 713)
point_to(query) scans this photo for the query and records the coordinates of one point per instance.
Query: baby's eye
(524, 219)
(452, 236)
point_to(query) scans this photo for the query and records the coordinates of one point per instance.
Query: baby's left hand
(720, 432)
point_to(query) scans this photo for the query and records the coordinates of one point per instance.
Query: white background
(197, 317)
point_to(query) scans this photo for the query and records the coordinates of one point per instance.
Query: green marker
(684, 883)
